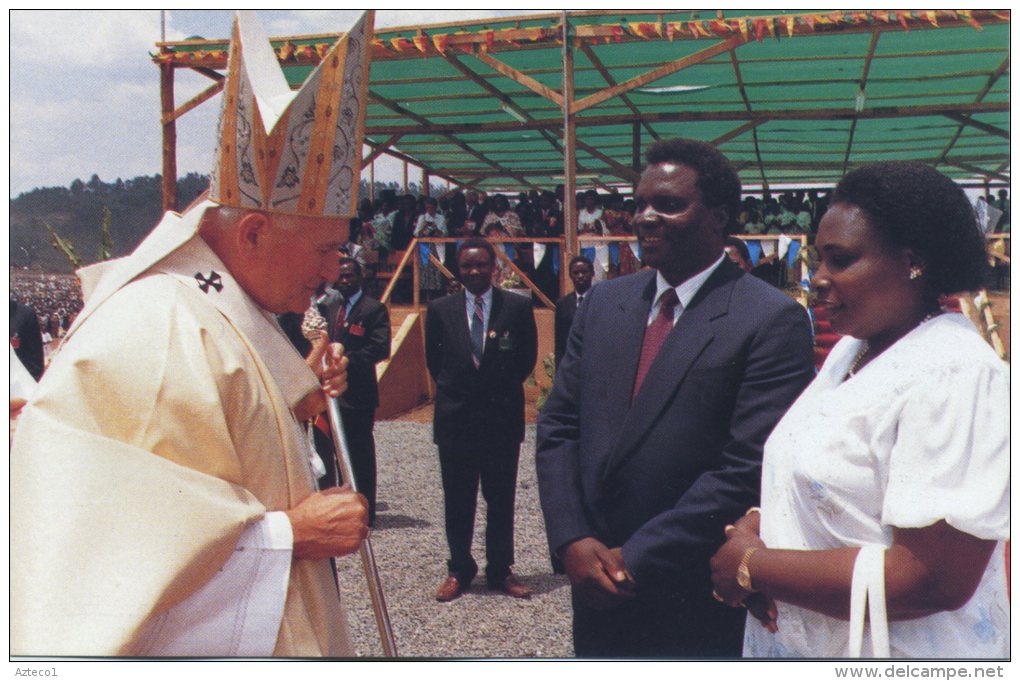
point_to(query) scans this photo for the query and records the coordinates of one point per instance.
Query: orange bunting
(720, 27)
(903, 20)
(440, 42)
(672, 28)
(379, 44)
(421, 41)
(644, 30)
(700, 27)
(810, 21)
(968, 16)
(321, 49)
(881, 15)
(400, 43)
(1001, 15)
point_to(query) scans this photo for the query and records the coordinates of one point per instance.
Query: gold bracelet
(744, 571)
(753, 509)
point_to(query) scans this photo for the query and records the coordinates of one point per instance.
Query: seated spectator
(501, 222)
(404, 223)
(549, 221)
(736, 250)
(431, 224)
(589, 218)
(616, 219)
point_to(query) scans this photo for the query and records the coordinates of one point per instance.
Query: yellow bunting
(400, 43)
(930, 16)
(742, 24)
(968, 16)
(790, 21)
(440, 42)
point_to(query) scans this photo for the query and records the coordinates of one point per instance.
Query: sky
(84, 93)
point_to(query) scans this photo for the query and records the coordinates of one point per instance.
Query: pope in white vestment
(158, 470)
(105, 536)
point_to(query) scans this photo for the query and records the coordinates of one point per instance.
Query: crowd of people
(55, 298)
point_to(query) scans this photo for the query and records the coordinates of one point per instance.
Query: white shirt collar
(687, 289)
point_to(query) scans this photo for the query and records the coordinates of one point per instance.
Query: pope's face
(297, 256)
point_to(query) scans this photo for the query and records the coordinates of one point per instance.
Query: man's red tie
(341, 319)
(655, 336)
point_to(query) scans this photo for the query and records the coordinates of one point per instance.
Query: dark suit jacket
(662, 477)
(28, 345)
(566, 308)
(363, 350)
(366, 339)
(474, 404)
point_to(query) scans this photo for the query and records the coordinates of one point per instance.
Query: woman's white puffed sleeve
(950, 459)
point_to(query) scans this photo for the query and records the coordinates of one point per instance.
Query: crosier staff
(312, 327)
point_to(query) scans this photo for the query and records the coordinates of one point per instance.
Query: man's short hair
(580, 258)
(347, 260)
(717, 182)
(477, 242)
(740, 246)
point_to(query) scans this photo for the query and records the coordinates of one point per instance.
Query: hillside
(76, 213)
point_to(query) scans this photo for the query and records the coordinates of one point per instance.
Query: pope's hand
(329, 523)
(329, 364)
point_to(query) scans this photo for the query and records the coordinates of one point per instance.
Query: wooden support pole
(166, 91)
(569, 155)
(635, 150)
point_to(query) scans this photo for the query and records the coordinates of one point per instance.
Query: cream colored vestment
(161, 430)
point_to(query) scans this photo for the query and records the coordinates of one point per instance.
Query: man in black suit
(362, 324)
(480, 346)
(26, 339)
(581, 272)
(651, 440)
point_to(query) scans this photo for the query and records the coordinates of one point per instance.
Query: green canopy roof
(790, 98)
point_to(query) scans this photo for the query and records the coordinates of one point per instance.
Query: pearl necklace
(867, 346)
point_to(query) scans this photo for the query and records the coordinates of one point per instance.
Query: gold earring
(915, 272)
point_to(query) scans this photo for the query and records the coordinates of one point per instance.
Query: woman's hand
(740, 537)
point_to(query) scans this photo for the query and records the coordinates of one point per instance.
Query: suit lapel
(684, 345)
(625, 336)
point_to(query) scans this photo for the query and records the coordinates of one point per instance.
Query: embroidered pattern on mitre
(285, 152)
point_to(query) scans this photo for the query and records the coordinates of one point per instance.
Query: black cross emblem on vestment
(213, 280)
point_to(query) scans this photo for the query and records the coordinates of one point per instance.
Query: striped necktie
(478, 330)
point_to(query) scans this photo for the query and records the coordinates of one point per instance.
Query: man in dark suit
(480, 346)
(581, 272)
(362, 324)
(651, 440)
(26, 339)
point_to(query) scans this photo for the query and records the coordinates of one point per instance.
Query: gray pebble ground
(410, 550)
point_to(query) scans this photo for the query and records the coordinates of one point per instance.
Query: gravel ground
(410, 550)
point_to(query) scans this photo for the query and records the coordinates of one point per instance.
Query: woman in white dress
(901, 442)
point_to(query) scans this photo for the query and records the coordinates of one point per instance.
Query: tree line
(76, 214)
